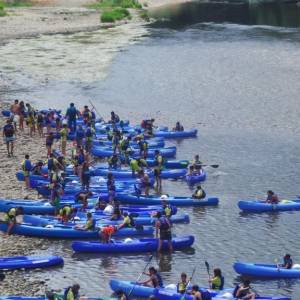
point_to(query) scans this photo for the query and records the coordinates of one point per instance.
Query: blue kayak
(264, 270)
(151, 143)
(191, 179)
(6, 113)
(127, 173)
(170, 164)
(132, 246)
(29, 262)
(261, 206)
(171, 294)
(67, 232)
(176, 134)
(108, 152)
(177, 201)
(138, 290)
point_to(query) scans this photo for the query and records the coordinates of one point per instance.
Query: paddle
(215, 166)
(191, 278)
(150, 258)
(277, 264)
(207, 269)
(94, 108)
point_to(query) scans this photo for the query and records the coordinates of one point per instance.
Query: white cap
(163, 197)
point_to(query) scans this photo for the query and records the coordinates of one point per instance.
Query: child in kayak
(244, 291)
(89, 225)
(199, 193)
(107, 232)
(155, 279)
(217, 282)
(272, 198)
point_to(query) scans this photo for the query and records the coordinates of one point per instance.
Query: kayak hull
(176, 201)
(29, 262)
(176, 134)
(140, 245)
(261, 206)
(264, 270)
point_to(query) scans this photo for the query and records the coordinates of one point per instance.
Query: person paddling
(244, 291)
(155, 279)
(89, 225)
(183, 284)
(72, 292)
(217, 282)
(287, 262)
(272, 198)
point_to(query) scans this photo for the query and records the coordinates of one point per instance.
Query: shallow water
(238, 84)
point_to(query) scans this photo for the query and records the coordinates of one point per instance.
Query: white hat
(163, 197)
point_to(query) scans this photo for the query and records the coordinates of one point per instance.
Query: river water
(235, 77)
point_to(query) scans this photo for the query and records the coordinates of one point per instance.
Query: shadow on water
(244, 13)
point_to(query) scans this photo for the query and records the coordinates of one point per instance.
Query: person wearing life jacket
(272, 198)
(163, 231)
(79, 136)
(63, 137)
(55, 197)
(82, 197)
(155, 279)
(86, 114)
(183, 284)
(116, 213)
(287, 262)
(106, 233)
(199, 193)
(90, 223)
(11, 217)
(71, 115)
(125, 143)
(167, 210)
(244, 291)
(143, 145)
(135, 168)
(178, 127)
(197, 164)
(31, 123)
(199, 294)
(72, 292)
(89, 134)
(158, 167)
(37, 168)
(127, 221)
(67, 213)
(217, 282)
(9, 137)
(26, 167)
(85, 176)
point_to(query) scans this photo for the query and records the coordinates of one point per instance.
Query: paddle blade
(207, 266)
(215, 166)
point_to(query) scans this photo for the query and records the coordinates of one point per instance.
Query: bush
(18, 3)
(116, 3)
(144, 16)
(2, 11)
(116, 14)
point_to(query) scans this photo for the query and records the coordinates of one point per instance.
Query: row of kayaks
(141, 245)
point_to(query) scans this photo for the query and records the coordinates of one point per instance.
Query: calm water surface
(237, 81)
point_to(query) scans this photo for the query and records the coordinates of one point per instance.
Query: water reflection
(247, 13)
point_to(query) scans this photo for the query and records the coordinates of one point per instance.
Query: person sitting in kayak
(116, 214)
(199, 193)
(11, 217)
(37, 168)
(82, 197)
(178, 127)
(196, 293)
(272, 198)
(89, 225)
(217, 282)
(121, 295)
(163, 231)
(244, 291)
(67, 213)
(114, 118)
(197, 164)
(287, 262)
(127, 222)
(106, 233)
(183, 284)
(135, 168)
(155, 279)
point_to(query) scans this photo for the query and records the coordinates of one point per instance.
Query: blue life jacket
(88, 132)
(27, 165)
(79, 134)
(164, 225)
(80, 159)
(205, 295)
(50, 163)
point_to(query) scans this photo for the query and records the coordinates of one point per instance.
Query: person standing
(26, 167)
(9, 137)
(22, 115)
(14, 109)
(72, 114)
(63, 137)
(163, 231)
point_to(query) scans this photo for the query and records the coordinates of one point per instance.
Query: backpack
(164, 225)
(27, 165)
(205, 295)
(9, 130)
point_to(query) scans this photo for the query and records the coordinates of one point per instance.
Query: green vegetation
(116, 3)
(144, 16)
(17, 3)
(115, 14)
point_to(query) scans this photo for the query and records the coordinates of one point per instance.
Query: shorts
(165, 235)
(26, 173)
(157, 172)
(9, 139)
